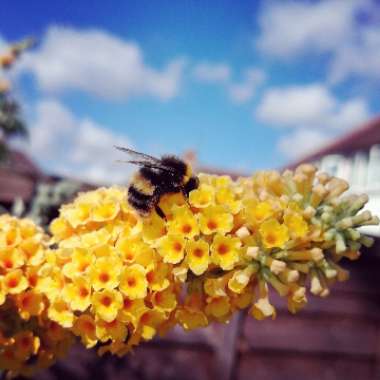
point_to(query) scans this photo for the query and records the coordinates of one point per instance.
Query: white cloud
(301, 142)
(244, 91)
(212, 72)
(221, 73)
(360, 57)
(79, 148)
(289, 28)
(99, 63)
(310, 106)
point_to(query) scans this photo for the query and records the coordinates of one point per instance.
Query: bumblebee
(156, 177)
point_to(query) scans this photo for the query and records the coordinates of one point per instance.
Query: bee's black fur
(164, 176)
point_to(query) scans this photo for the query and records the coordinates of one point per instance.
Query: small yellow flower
(225, 251)
(149, 323)
(218, 307)
(29, 303)
(168, 201)
(157, 277)
(273, 234)
(296, 224)
(114, 330)
(60, 312)
(256, 212)
(197, 256)
(215, 219)
(133, 282)
(227, 197)
(132, 310)
(202, 197)
(61, 229)
(190, 318)
(183, 222)
(164, 301)
(85, 327)
(240, 279)
(263, 309)
(32, 251)
(11, 258)
(105, 211)
(130, 249)
(80, 263)
(77, 215)
(15, 282)
(78, 294)
(153, 227)
(172, 248)
(105, 273)
(107, 304)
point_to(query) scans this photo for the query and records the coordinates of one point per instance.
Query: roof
(359, 139)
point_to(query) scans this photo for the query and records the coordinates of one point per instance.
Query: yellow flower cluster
(113, 278)
(28, 339)
(106, 282)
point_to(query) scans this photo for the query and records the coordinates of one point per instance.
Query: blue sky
(246, 84)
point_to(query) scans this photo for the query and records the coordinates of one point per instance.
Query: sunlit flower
(227, 197)
(183, 222)
(107, 304)
(15, 282)
(60, 312)
(296, 224)
(197, 256)
(172, 248)
(80, 263)
(133, 282)
(202, 197)
(78, 294)
(105, 273)
(273, 234)
(105, 211)
(158, 276)
(77, 215)
(225, 251)
(215, 219)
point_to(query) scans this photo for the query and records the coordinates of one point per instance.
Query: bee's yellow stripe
(142, 184)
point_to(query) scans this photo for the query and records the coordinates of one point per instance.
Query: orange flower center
(83, 292)
(131, 282)
(271, 238)
(104, 277)
(32, 280)
(186, 228)
(211, 224)
(223, 249)
(198, 252)
(13, 282)
(106, 301)
(8, 263)
(177, 246)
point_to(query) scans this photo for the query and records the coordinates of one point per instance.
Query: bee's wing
(141, 156)
(147, 164)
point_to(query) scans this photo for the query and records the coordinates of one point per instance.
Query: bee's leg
(186, 196)
(160, 213)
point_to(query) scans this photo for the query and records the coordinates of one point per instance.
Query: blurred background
(232, 86)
